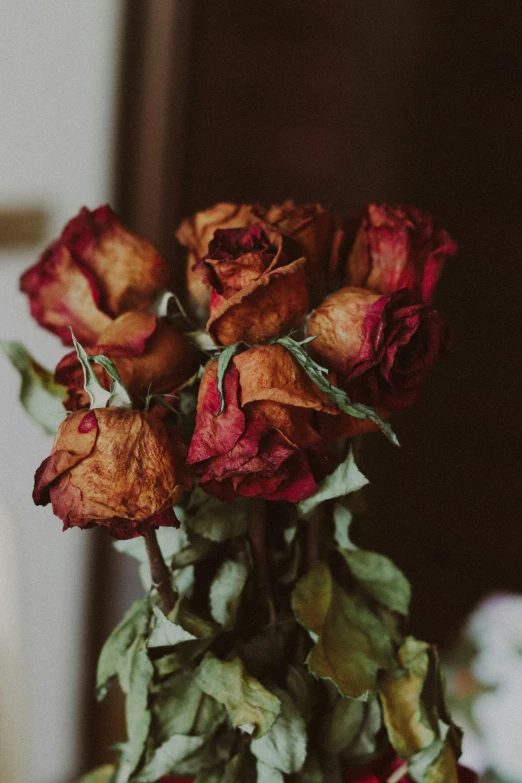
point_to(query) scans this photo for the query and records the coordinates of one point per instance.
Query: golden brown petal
(270, 372)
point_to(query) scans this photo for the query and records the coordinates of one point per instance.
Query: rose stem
(314, 540)
(257, 536)
(161, 578)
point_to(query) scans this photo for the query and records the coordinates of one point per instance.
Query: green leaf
(341, 727)
(380, 578)
(182, 656)
(415, 714)
(137, 715)
(336, 395)
(100, 775)
(120, 397)
(345, 479)
(268, 774)
(209, 517)
(225, 592)
(165, 758)
(40, 396)
(166, 633)
(135, 623)
(246, 700)
(353, 643)
(98, 395)
(284, 746)
(225, 357)
(179, 706)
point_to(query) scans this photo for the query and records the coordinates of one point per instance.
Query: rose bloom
(118, 468)
(316, 233)
(94, 272)
(196, 233)
(150, 355)
(258, 285)
(264, 444)
(396, 248)
(380, 347)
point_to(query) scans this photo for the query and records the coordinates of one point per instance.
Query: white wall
(58, 71)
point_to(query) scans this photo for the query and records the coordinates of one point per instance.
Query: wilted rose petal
(94, 272)
(117, 468)
(265, 443)
(195, 233)
(259, 287)
(398, 247)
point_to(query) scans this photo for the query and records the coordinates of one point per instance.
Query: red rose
(195, 233)
(398, 248)
(258, 286)
(113, 467)
(150, 355)
(380, 347)
(94, 272)
(264, 444)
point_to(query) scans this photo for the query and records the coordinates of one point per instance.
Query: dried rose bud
(150, 356)
(94, 272)
(258, 285)
(121, 469)
(196, 233)
(265, 443)
(396, 248)
(380, 347)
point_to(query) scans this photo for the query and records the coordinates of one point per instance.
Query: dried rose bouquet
(268, 646)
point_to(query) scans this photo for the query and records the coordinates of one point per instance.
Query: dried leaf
(167, 756)
(166, 633)
(336, 395)
(225, 592)
(246, 700)
(225, 357)
(40, 396)
(418, 725)
(137, 715)
(209, 517)
(135, 623)
(346, 478)
(380, 578)
(284, 746)
(353, 643)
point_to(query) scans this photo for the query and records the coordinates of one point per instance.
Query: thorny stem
(256, 533)
(161, 578)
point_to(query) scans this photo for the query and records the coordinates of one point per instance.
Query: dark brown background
(345, 102)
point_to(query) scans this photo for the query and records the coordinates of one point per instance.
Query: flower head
(121, 469)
